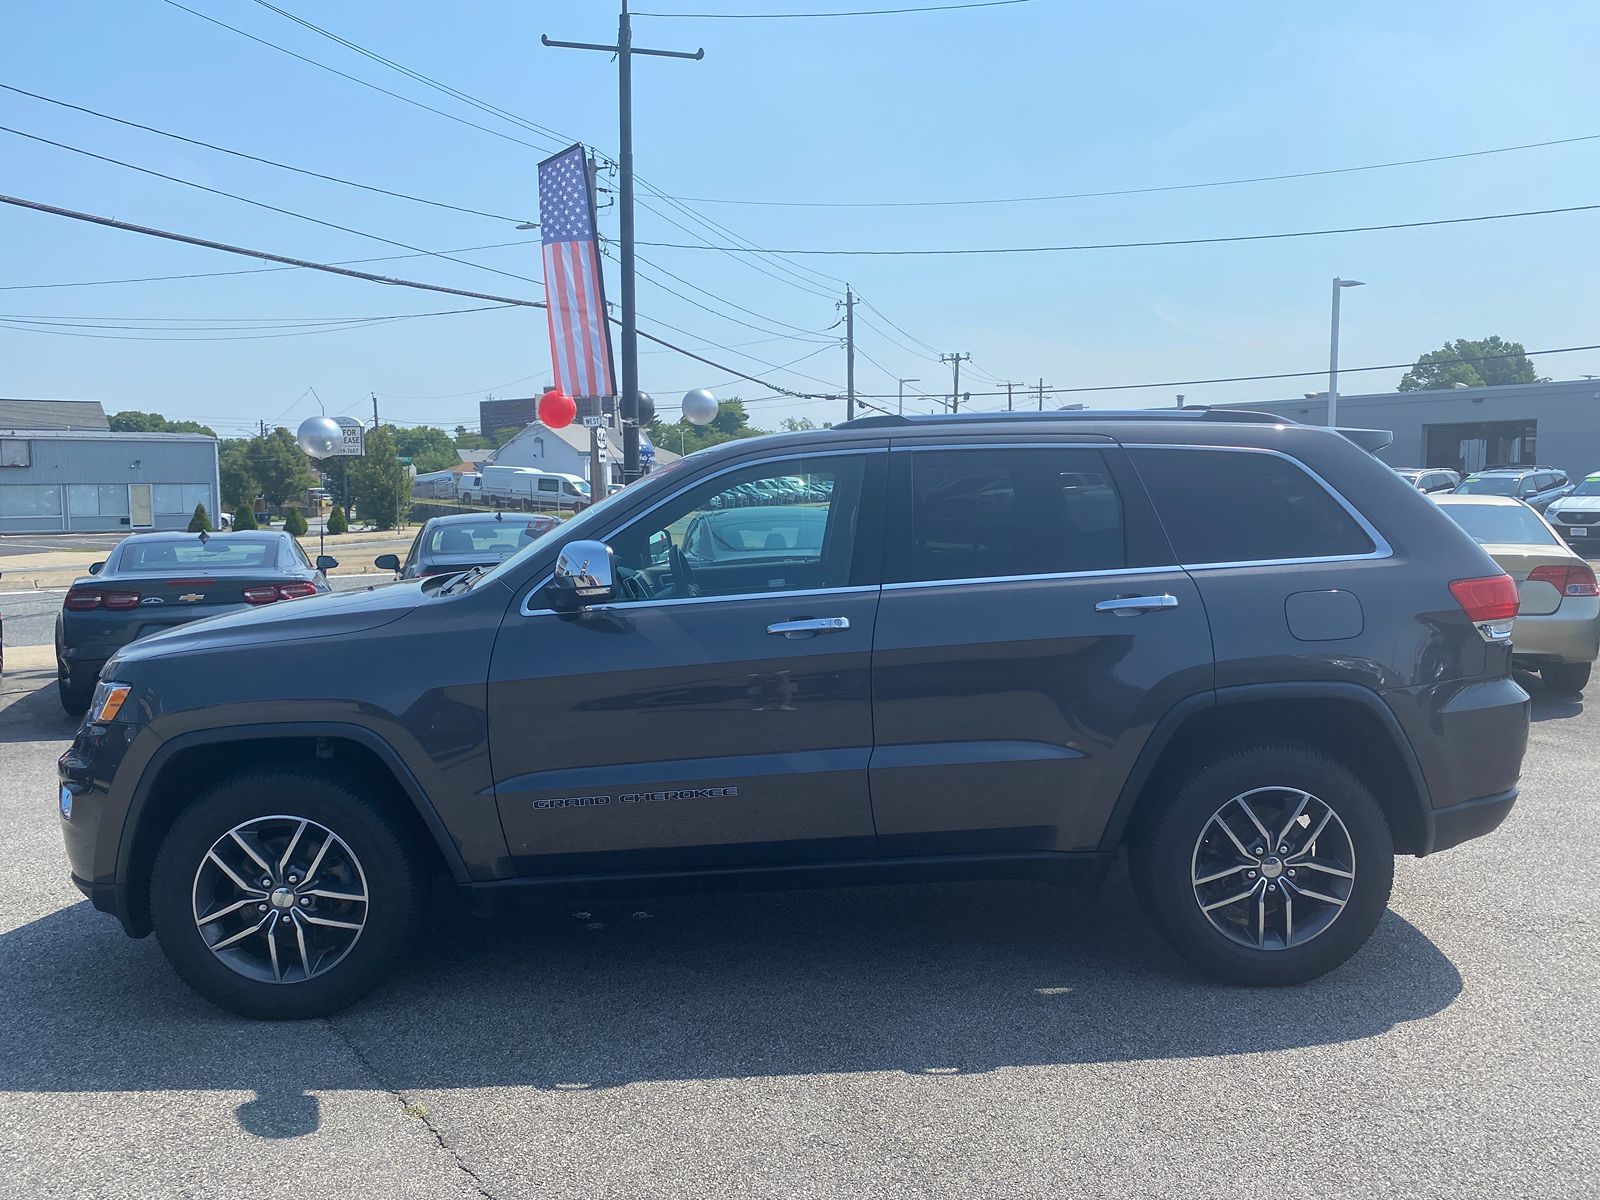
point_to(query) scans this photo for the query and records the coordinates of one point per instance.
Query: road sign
(353, 444)
(594, 422)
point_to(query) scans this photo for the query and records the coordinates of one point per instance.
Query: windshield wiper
(464, 582)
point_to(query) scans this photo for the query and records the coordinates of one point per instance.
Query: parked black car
(450, 545)
(154, 581)
(1537, 487)
(1242, 649)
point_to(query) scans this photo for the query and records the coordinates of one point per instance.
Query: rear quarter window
(1243, 506)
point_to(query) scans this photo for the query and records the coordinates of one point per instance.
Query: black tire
(396, 882)
(1162, 862)
(1565, 679)
(74, 698)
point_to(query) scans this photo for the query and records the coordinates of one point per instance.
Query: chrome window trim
(690, 485)
(630, 605)
(1381, 547)
(1047, 575)
(1098, 441)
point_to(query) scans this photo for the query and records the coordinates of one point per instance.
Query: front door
(1032, 631)
(140, 510)
(718, 713)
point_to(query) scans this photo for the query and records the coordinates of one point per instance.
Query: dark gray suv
(977, 646)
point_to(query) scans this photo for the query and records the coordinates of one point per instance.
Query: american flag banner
(580, 335)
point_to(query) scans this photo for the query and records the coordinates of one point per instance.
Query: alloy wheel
(280, 899)
(1273, 868)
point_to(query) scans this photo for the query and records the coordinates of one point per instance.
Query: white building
(566, 451)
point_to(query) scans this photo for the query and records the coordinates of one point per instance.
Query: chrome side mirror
(585, 574)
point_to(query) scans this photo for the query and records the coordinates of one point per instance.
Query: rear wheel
(1270, 866)
(1565, 679)
(284, 895)
(74, 697)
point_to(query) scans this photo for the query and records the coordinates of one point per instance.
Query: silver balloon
(699, 407)
(319, 436)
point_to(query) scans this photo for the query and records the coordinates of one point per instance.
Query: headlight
(108, 701)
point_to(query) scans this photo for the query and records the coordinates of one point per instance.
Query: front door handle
(1132, 606)
(810, 626)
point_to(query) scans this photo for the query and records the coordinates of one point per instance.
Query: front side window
(1241, 506)
(983, 513)
(739, 534)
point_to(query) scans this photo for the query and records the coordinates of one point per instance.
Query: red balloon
(557, 409)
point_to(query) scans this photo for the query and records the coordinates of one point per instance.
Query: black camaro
(153, 581)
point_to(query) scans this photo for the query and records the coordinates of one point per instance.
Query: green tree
(294, 523)
(1490, 361)
(730, 423)
(239, 484)
(466, 439)
(133, 421)
(280, 466)
(378, 481)
(244, 518)
(336, 521)
(201, 521)
(429, 449)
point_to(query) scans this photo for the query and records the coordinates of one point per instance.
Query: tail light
(82, 600)
(1576, 579)
(269, 593)
(1490, 603)
(119, 601)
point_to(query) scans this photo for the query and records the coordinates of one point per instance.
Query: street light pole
(901, 407)
(1333, 351)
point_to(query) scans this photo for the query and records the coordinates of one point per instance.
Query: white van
(542, 489)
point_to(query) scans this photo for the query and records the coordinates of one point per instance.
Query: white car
(1576, 516)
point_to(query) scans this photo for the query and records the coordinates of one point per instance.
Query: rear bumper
(1571, 634)
(1462, 822)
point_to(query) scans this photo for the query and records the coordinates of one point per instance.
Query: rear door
(715, 715)
(1033, 629)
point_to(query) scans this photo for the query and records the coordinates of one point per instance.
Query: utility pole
(1041, 393)
(374, 410)
(1009, 386)
(624, 51)
(1333, 351)
(849, 354)
(954, 360)
(263, 431)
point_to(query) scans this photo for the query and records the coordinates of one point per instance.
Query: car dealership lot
(933, 1040)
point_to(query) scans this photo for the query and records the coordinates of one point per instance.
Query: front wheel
(1565, 679)
(1270, 866)
(285, 895)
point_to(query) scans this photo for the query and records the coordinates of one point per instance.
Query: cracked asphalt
(995, 1040)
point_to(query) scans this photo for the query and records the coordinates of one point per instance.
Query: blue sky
(1043, 97)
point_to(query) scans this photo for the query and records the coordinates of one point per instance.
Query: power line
(230, 337)
(206, 243)
(343, 262)
(178, 137)
(868, 12)
(1143, 191)
(356, 79)
(32, 137)
(1204, 241)
(807, 333)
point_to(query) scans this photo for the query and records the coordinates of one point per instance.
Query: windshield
(230, 550)
(479, 538)
(1500, 524)
(1489, 485)
(1589, 487)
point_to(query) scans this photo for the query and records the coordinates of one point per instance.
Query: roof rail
(1192, 413)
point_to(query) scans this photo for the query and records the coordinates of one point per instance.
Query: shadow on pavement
(35, 716)
(936, 979)
(1546, 705)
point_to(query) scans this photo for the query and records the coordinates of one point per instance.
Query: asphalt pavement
(930, 1041)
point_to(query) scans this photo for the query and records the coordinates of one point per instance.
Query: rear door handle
(1132, 606)
(810, 626)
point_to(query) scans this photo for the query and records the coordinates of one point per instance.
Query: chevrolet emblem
(192, 597)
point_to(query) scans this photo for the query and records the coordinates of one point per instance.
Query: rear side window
(1240, 506)
(980, 513)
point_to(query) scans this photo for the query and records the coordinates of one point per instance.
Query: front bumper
(92, 834)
